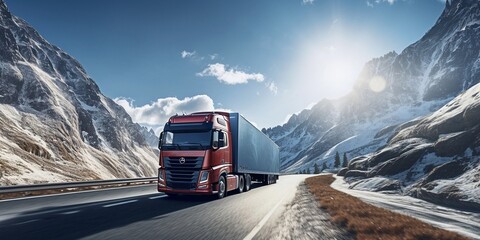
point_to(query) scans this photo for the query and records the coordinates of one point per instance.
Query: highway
(140, 212)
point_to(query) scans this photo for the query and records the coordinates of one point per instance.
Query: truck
(213, 153)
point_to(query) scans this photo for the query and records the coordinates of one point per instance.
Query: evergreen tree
(324, 166)
(337, 160)
(316, 170)
(308, 171)
(345, 160)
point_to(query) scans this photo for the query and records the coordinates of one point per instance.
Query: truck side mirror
(160, 141)
(215, 140)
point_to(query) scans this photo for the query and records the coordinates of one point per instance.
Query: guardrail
(53, 186)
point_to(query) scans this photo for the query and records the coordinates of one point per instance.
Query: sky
(265, 59)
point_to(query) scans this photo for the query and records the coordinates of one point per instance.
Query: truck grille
(182, 175)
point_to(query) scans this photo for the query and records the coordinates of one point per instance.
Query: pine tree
(345, 160)
(324, 166)
(316, 170)
(337, 160)
(308, 171)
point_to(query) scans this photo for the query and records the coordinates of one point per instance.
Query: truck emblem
(181, 160)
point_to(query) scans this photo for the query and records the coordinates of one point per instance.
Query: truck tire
(241, 184)
(222, 187)
(266, 179)
(248, 182)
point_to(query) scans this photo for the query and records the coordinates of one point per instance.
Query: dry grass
(369, 222)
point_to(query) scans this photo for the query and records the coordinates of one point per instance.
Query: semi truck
(213, 153)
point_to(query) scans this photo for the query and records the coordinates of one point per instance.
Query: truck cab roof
(219, 120)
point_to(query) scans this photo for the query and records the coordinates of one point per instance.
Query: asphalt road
(142, 213)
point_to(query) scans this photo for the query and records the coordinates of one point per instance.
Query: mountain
(437, 158)
(391, 92)
(55, 124)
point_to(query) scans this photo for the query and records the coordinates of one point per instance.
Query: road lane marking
(155, 197)
(120, 203)
(262, 222)
(25, 222)
(70, 212)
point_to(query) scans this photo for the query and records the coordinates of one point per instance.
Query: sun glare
(338, 72)
(377, 84)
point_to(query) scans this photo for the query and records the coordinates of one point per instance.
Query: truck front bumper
(207, 191)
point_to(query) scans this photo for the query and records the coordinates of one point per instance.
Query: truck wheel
(241, 184)
(248, 182)
(222, 187)
(266, 179)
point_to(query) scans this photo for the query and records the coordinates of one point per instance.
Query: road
(139, 212)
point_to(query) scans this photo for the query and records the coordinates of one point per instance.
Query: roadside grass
(366, 221)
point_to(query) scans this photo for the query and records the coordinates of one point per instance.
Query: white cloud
(186, 54)
(371, 3)
(156, 114)
(305, 2)
(272, 87)
(213, 56)
(229, 76)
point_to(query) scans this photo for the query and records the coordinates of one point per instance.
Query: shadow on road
(76, 221)
(82, 220)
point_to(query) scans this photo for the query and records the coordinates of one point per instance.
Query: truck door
(221, 156)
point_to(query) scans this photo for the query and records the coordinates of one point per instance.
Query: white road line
(70, 212)
(155, 197)
(120, 203)
(262, 222)
(29, 221)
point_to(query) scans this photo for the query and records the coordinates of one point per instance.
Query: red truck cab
(196, 155)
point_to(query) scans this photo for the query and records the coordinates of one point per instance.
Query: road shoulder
(304, 219)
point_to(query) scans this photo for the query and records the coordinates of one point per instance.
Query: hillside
(55, 124)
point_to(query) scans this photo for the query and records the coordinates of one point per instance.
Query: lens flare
(377, 84)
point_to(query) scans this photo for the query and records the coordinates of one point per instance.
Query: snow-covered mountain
(437, 158)
(390, 91)
(55, 124)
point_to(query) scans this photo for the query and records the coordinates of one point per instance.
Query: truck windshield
(187, 140)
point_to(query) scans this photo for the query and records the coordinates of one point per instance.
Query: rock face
(421, 79)
(437, 159)
(55, 124)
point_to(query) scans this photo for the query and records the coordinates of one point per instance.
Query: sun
(337, 70)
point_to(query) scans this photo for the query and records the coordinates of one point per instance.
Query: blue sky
(264, 59)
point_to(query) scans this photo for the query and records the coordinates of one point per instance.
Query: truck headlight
(161, 178)
(204, 177)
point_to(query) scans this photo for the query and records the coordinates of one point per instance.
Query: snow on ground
(465, 223)
(362, 140)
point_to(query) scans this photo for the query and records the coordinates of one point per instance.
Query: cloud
(229, 75)
(213, 56)
(156, 114)
(371, 3)
(305, 2)
(186, 54)
(272, 87)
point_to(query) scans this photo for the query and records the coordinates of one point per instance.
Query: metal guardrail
(52, 186)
